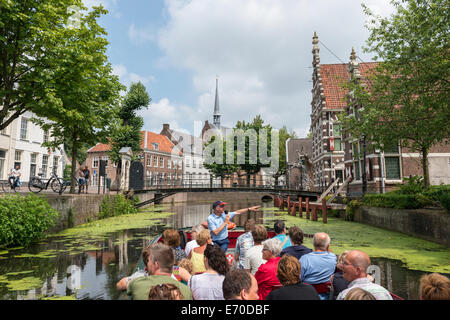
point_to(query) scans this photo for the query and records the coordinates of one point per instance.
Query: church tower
(216, 116)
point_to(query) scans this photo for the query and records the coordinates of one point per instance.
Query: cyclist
(14, 176)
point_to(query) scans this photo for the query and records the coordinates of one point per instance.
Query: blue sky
(259, 49)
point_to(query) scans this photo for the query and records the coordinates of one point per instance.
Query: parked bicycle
(9, 186)
(37, 184)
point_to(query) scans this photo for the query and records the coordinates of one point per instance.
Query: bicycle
(9, 187)
(37, 184)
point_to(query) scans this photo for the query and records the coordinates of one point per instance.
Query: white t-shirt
(189, 246)
(253, 258)
(14, 173)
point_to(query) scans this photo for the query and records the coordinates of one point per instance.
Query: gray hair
(321, 240)
(273, 245)
(197, 228)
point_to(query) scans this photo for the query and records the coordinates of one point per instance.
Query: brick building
(161, 167)
(337, 156)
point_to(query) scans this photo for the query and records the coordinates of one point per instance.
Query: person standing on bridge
(218, 223)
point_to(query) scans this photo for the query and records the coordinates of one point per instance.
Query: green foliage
(405, 98)
(24, 219)
(413, 185)
(350, 210)
(393, 200)
(127, 132)
(113, 206)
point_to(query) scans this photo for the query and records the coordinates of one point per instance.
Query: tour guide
(218, 223)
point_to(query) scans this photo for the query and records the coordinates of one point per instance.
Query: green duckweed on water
(72, 297)
(23, 284)
(415, 253)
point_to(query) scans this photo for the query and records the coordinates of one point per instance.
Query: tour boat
(233, 233)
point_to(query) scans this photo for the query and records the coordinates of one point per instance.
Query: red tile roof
(334, 76)
(100, 147)
(164, 144)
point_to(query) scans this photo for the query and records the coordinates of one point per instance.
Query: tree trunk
(426, 176)
(73, 174)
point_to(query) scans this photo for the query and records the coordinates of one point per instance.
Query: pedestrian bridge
(200, 193)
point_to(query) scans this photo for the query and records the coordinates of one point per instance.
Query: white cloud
(164, 111)
(139, 36)
(261, 50)
(127, 77)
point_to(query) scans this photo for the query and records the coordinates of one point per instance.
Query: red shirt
(267, 278)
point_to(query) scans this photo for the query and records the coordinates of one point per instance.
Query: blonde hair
(186, 264)
(359, 294)
(341, 258)
(203, 237)
(434, 287)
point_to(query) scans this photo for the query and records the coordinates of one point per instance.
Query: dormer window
(155, 146)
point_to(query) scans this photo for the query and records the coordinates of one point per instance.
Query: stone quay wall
(429, 224)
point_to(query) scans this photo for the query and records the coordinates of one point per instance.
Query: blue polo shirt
(215, 221)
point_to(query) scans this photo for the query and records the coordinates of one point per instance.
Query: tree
(406, 98)
(86, 91)
(127, 132)
(29, 37)
(216, 157)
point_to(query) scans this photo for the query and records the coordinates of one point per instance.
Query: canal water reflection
(61, 269)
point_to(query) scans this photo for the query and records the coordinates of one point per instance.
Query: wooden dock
(311, 208)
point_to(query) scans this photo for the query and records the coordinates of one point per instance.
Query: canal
(86, 262)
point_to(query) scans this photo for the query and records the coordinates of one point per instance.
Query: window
(2, 163)
(169, 164)
(188, 163)
(149, 161)
(18, 158)
(194, 164)
(23, 129)
(44, 165)
(155, 161)
(155, 146)
(95, 162)
(337, 130)
(33, 164)
(161, 162)
(337, 144)
(55, 164)
(105, 158)
(392, 168)
(357, 171)
(46, 136)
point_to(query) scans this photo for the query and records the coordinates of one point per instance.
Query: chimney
(166, 126)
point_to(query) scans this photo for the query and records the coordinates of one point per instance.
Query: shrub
(395, 200)
(413, 185)
(350, 210)
(24, 219)
(117, 205)
(444, 199)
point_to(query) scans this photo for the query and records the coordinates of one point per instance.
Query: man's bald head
(355, 265)
(358, 259)
(321, 241)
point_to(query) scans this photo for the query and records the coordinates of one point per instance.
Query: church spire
(216, 116)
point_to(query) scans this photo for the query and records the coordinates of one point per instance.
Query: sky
(260, 50)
